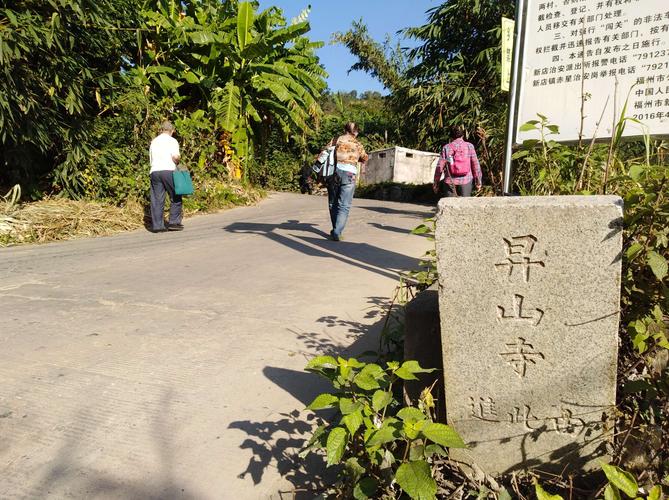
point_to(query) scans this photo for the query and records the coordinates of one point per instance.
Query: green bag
(182, 182)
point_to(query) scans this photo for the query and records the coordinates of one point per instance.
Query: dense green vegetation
(84, 84)
(57, 59)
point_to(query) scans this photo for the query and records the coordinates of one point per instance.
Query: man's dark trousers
(162, 182)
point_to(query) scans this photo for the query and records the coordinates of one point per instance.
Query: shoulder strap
(336, 145)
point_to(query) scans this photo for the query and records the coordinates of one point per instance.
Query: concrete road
(170, 365)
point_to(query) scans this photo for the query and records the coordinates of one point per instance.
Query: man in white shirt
(164, 154)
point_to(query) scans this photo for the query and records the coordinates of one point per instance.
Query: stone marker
(529, 292)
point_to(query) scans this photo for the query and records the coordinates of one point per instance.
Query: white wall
(408, 166)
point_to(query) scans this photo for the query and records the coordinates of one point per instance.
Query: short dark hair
(351, 128)
(457, 131)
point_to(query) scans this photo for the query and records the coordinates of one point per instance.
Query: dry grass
(56, 219)
(60, 219)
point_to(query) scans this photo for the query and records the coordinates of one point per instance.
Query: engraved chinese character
(524, 417)
(534, 317)
(566, 423)
(521, 354)
(519, 254)
(484, 409)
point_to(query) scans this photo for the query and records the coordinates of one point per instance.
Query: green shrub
(378, 440)
(280, 172)
(213, 194)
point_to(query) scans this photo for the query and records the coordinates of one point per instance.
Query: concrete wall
(402, 165)
(380, 167)
(414, 167)
(422, 342)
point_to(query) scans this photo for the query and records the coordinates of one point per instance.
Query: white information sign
(576, 47)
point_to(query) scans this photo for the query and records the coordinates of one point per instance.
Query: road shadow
(360, 338)
(392, 229)
(277, 442)
(367, 255)
(302, 385)
(261, 228)
(423, 214)
(361, 255)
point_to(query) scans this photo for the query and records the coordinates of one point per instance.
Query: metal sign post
(513, 95)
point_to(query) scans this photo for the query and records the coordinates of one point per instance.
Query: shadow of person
(367, 254)
(389, 228)
(394, 211)
(394, 229)
(362, 255)
(262, 228)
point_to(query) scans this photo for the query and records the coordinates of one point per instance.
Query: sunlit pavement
(171, 365)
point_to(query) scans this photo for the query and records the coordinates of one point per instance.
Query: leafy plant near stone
(383, 445)
(391, 340)
(645, 299)
(427, 275)
(620, 484)
(548, 163)
(620, 481)
(644, 374)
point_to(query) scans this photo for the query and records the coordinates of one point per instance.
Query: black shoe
(175, 227)
(163, 230)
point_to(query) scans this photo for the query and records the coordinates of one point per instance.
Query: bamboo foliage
(56, 58)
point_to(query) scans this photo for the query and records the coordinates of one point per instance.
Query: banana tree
(251, 70)
(273, 78)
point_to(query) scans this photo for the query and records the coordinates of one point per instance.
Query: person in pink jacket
(458, 166)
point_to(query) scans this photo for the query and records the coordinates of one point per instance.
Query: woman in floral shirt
(342, 186)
